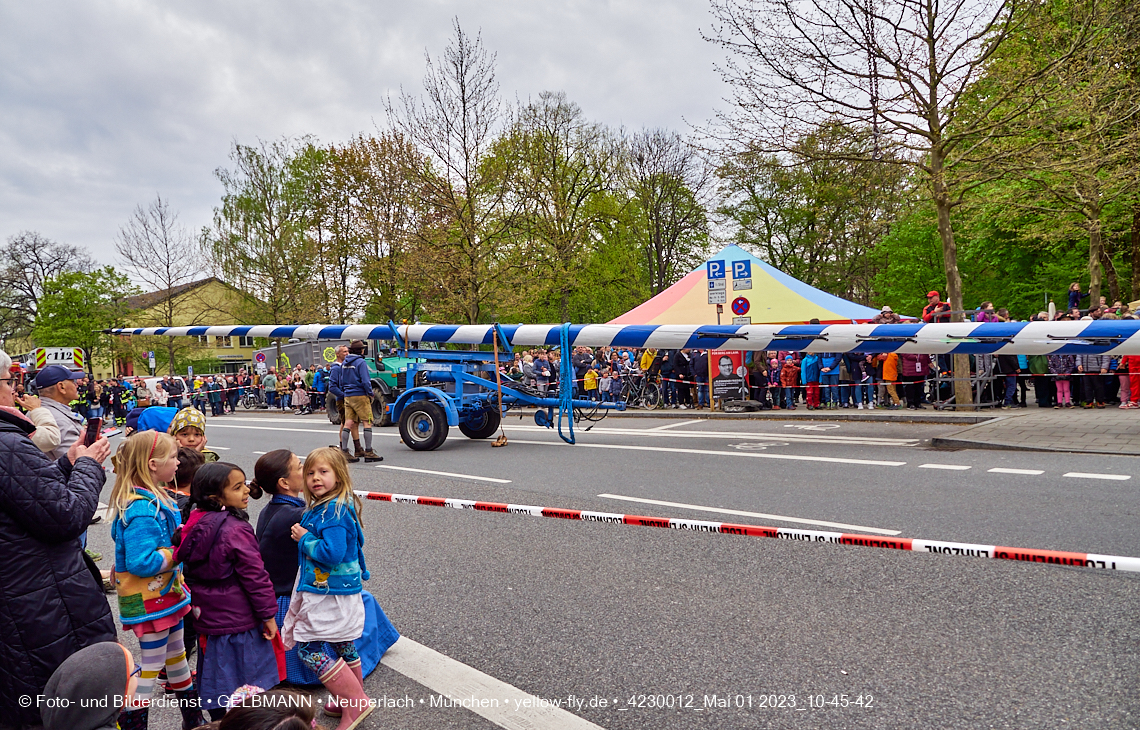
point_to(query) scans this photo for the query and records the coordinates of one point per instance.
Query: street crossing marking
(478, 692)
(742, 513)
(1086, 475)
(807, 438)
(1027, 472)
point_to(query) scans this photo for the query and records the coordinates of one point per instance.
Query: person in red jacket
(1132, 362)
(935, 310)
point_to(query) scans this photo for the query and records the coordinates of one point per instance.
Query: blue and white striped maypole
(1096, 337)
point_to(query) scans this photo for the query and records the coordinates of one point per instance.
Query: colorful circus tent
(773, 297)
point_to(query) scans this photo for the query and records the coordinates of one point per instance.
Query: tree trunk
(963, 394)
(1134, 236)
(1096, 249)
(1109, 271)
(170, 353)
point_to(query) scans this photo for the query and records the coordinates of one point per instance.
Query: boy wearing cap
(188, 427)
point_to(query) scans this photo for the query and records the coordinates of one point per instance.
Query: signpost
(150, 360)
(741, 275)
(740, 306)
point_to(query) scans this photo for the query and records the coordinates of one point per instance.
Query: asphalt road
(643, 617)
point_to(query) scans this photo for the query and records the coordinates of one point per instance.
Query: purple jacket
(230, 589)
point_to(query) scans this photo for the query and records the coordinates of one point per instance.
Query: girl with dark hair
(232, 595)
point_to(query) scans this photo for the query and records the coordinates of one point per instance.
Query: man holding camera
(57, 388)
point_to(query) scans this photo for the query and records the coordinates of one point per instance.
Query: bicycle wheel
(652, 396)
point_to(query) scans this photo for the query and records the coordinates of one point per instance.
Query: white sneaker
(860, 406)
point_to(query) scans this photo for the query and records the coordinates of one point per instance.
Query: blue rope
(565, 385)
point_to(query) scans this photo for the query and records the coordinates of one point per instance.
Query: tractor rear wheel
(423, 426)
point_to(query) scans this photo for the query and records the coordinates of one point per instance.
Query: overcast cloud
(104, 104)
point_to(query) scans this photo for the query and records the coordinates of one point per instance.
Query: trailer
(465, 390)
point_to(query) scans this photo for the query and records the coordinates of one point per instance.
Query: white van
(152, 382)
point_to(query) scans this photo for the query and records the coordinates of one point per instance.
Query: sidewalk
(1095, 431)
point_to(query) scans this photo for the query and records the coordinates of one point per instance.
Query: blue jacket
(319, 381)
(143, 542)
(830, 360)
(334, 380)
(334, 548)
(352, 378)
(809, 369)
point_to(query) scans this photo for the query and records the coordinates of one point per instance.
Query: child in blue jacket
(326, 605)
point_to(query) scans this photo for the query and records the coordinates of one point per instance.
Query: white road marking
(261, 452)
(759, 515)
(675, 425)
(1028, 472)
(949, 467)
(1085, 475)
(512, 708)
(220, 448)
(807, 438)
(664, 449)
(445, 474)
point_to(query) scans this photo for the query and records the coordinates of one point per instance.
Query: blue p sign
(741, 269)
(716, 270)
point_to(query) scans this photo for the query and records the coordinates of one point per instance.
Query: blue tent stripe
(332, 333)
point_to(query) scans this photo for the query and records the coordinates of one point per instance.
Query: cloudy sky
(103, 104)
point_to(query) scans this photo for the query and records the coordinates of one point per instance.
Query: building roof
(148, 300)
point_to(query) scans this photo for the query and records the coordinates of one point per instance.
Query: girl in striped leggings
(152, 596)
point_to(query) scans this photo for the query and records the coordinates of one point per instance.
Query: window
(203, 339)
(245, 342)
(225, 341)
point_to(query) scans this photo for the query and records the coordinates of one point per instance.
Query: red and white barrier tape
(1086, 560)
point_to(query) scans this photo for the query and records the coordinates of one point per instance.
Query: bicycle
(640, 392)
(251, 398)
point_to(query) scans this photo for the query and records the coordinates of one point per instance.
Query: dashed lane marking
(1026, 472)
(1086, 475)
(445, 474)
(948, 467)
(675, 425)
(742, 513)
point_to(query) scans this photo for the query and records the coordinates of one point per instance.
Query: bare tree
(27, 261)
(455, 125)
(905, 68)
(159, 252)
(668, 179)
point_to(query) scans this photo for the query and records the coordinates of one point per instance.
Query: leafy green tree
(259, 242)
(819, 213)
(77, 306)
(567, 166)
(27, 261)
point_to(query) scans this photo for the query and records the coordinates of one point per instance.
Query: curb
(958, 443)
(939, 547)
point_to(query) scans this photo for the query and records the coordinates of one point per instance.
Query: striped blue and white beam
(1114, 337)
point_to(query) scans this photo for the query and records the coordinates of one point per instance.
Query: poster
(729, 374)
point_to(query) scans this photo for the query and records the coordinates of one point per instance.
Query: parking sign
(715, 269)
(741, 269)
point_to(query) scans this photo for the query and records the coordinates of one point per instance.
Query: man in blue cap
(56, 386)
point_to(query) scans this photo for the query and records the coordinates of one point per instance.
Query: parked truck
(387, 372)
